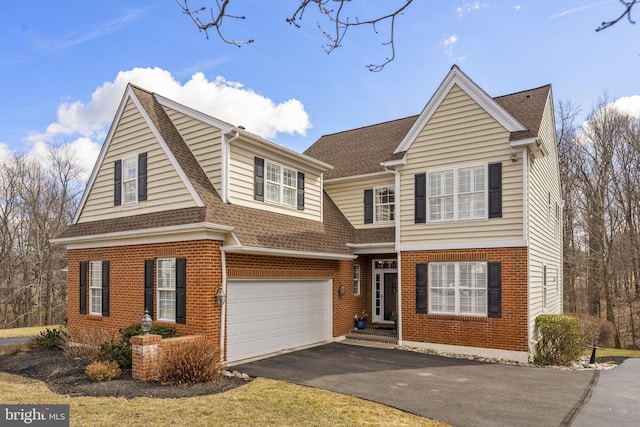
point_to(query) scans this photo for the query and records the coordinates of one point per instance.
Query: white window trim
(457, 289)
(456, 194)
(134, 180)
(280, 184)
(356, 279)
(164, 289)
(95, 286)
(375, 205)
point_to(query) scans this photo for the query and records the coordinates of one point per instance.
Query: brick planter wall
(147, 352)
(508, 332)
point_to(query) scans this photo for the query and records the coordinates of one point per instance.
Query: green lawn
(24, 332)
(615, 352)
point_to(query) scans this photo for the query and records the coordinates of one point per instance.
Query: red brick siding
(506, 333)
(204, 277)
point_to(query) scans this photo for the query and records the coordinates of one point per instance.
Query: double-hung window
(457, 194)
(130, 180)
(167, 289)
(458, 288)
(280, 184)
(95, 287)
(384, 204)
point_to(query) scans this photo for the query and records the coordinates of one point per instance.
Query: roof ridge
(523, 91)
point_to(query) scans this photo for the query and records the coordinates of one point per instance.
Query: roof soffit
(457, 77)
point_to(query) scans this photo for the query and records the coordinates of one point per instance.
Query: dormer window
(280, 185)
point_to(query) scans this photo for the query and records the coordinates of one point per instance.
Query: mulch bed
(64, 374)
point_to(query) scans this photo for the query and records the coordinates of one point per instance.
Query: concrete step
(385, 336)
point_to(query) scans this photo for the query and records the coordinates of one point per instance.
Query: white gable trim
(165, 102)
(457, 77)
(192, 191)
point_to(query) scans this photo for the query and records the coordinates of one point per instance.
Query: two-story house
(447, 222)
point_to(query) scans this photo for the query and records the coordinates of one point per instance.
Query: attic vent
(241, 127)
(528, 96)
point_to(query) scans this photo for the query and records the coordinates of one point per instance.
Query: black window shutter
(495, 190)
(117, 182)
(105, 288)
(83, 287)
(300, 191)
(181, 290)
(421, 288)
(258, 179)
(148, 286)
(142, 176)
(494, 289)
(420, 198)
(368, 206)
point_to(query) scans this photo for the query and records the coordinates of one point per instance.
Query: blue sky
(64, 65)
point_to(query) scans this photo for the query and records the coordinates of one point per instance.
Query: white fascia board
(457, 77)
(356, 177)
(199, 115)
(524, 142)
(179, 233)
(284, 253)
(464, 245)
(192, 191)
(395, 163)
(266, 147)
(103, 151)
(372, 248)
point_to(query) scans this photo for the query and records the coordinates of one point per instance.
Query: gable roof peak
(456, 77)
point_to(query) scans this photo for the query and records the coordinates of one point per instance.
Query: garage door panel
(265, 317)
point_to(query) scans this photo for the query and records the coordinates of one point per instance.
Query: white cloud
(5, 153)
(629, 105)
(517, 8)
(449, 43)
(86, 124)
(468, 7)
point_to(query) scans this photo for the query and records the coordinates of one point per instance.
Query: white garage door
(265, 317)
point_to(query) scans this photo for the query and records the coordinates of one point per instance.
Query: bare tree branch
(217, 18)
(342, 23)
(628, 5)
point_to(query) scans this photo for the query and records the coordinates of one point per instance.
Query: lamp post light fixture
(146, 322)
(221, 297)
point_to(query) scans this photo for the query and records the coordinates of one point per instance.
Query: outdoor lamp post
(146, 322)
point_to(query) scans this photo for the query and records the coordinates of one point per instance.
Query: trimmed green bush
(136, 329)
(116, 351)
(559, 341)
(52, 339)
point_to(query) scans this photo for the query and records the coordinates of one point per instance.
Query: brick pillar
(144, 354)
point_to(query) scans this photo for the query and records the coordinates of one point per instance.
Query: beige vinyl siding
(461, 133)
(349, 197)
(204, 141)
(241, 185)
(133, 136)
(544, 248)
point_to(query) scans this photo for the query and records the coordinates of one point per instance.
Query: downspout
(526, 235)
(225, 165)
(223, 308)
(397, 249)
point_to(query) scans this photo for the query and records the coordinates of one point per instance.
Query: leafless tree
(335, 12)
(38, 199)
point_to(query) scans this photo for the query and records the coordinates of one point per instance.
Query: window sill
(94, 316)
(457, 317)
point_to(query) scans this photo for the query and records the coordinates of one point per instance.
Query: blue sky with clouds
(64, 65)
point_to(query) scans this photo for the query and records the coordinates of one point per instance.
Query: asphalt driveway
(458, 392)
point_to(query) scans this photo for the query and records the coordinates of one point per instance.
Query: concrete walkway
(456, 391)
(615, 399)
(17, 340)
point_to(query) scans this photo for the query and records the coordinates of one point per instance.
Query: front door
(385, 291)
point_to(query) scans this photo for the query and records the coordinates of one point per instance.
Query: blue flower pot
(360, 324)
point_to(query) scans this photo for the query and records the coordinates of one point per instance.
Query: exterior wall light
(146, 322)
(221, 298)
(341, 291)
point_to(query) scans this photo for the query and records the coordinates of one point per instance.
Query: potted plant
(394, 317)
(360, 319)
